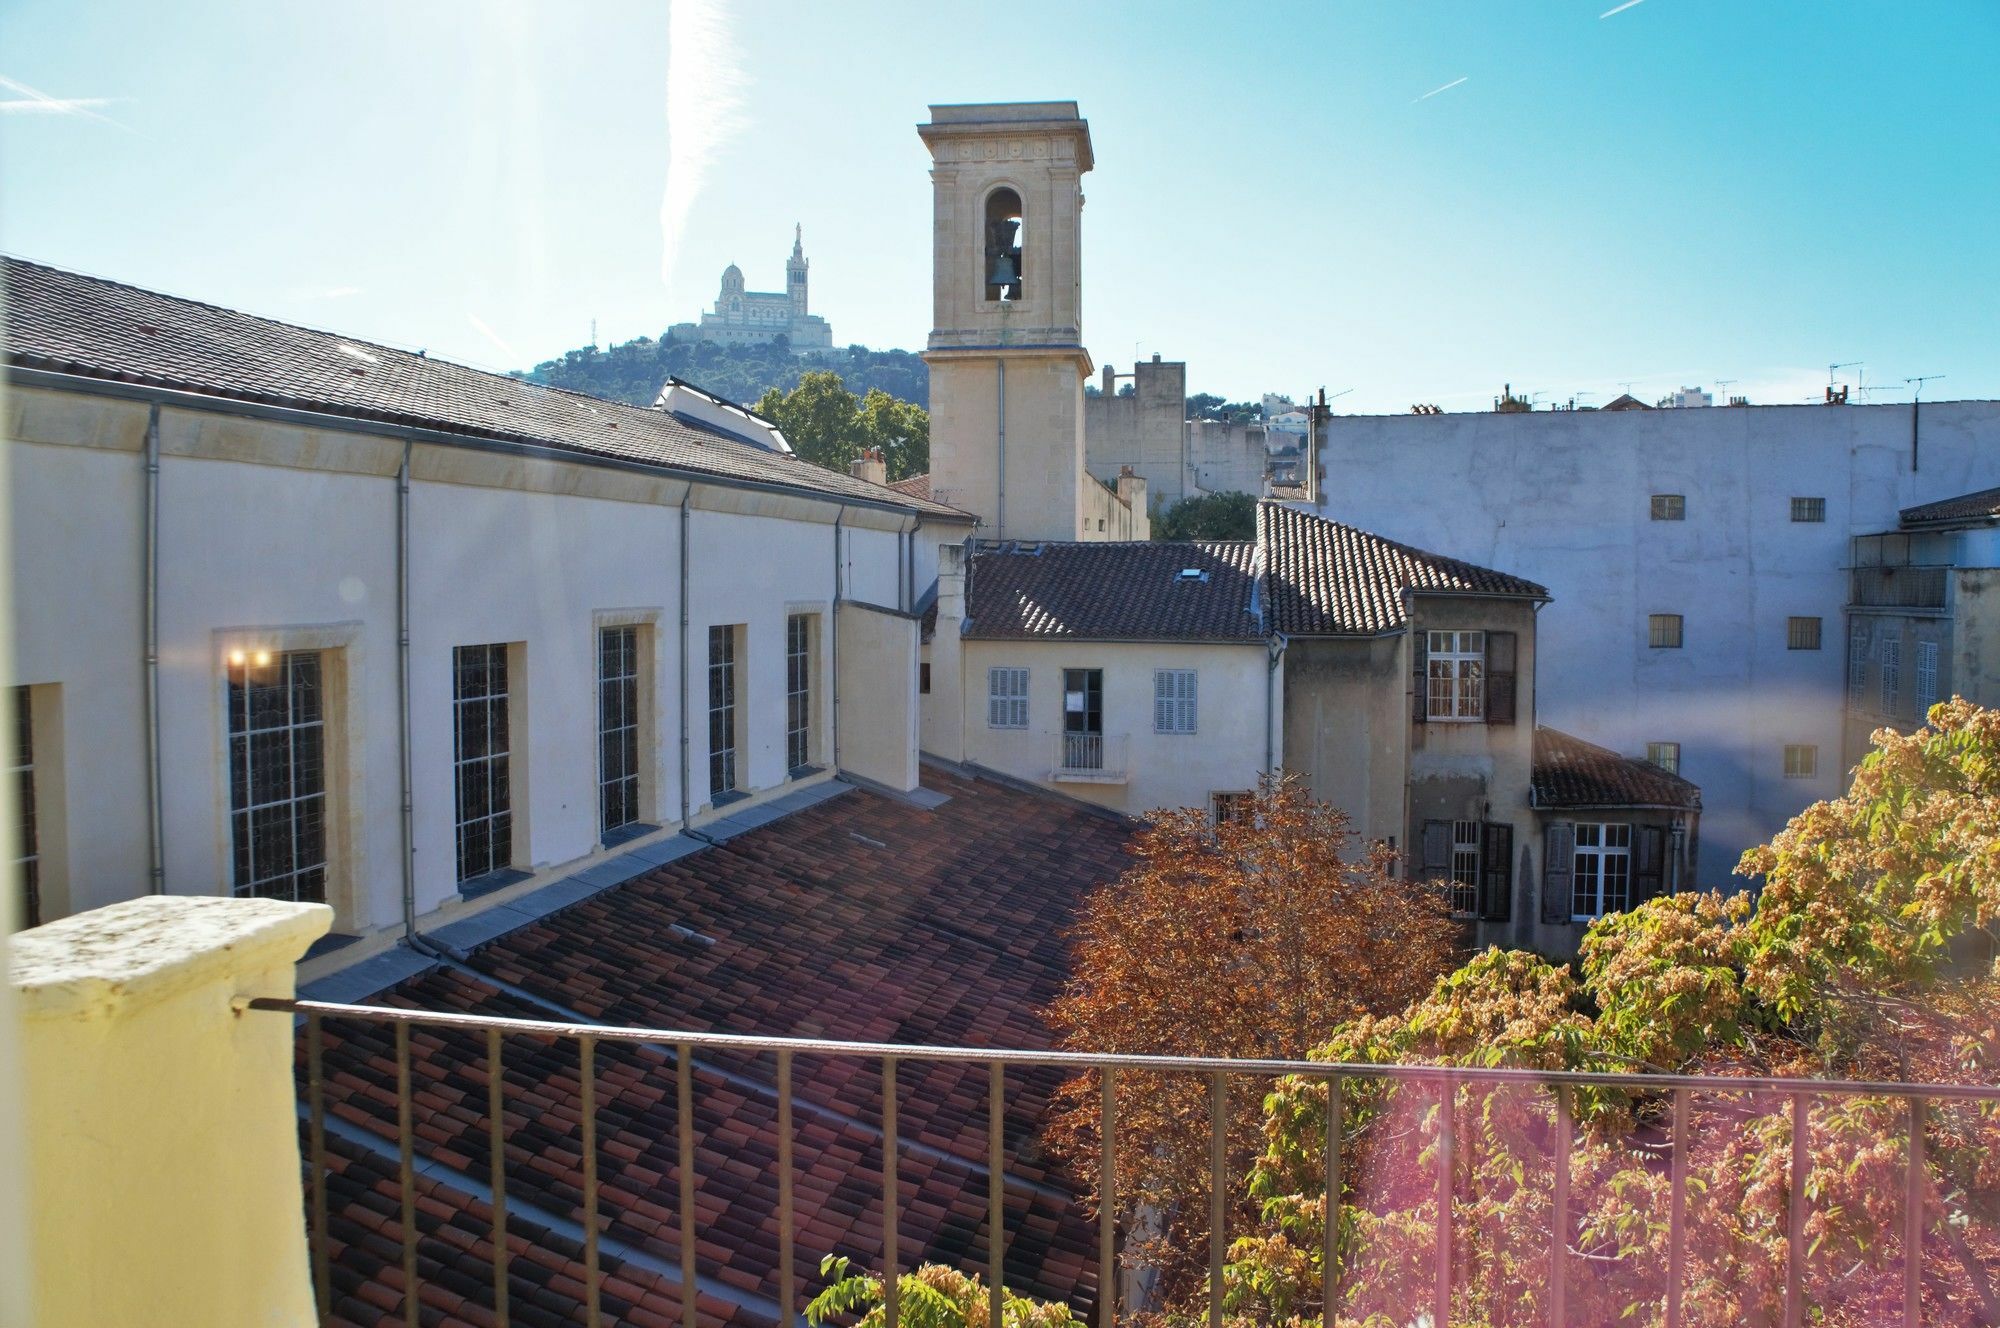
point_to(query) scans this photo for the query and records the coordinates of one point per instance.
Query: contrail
(479, 326)
(1619, 9)
(33, 101)
(1454, 83)
(703, 83)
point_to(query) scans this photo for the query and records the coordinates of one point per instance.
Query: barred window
(1669, 507)
(1802, 633)
(1456, 665)
(277, 775)
(1173, 700)
(722, 768)
(480, 760)
(1808, 509)
(1465, 867)
(1007, 698)
(1892, 673)
(1927, 679)
(1663, 631)
(1801, 760)
(1857, 663)
(1231, 808)
(1666, 755)
(617, 727)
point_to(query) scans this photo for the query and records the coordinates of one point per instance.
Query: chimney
(1110, 380)
(1131, 489)
(870, 466)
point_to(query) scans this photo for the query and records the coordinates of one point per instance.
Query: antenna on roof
(1846, 364)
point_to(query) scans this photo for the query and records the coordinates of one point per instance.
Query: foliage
(1208, 406)
(931, 1297)
(635, 371)
(827, 426)
(1867, 955)
(1256, 937)
(1209, 516)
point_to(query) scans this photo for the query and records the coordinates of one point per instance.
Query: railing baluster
(996, 1210)
(787, 1256)
(586, 1105)
(1441, 1294)
(496, 1161)
(1329, 1254)
(322, 1272)
(1559, 1219)
(406, 1145)
(1107, 1202)
(1913, 1219)
(1218, 1213)
(892, 1197)
(1795, 1219)
(1677, 1210)
(684, 1127)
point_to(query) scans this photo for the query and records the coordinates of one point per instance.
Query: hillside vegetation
(634, 371)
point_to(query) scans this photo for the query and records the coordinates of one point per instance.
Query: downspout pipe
(833, 636)
(1275, 650)
(1000, 421)
(403, 699)
(156, 864)
(682, 670)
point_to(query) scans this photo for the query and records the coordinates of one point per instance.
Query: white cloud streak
(1434, 91)
(33, 101)
(479, 326)
(1619, 9)
(704, 98)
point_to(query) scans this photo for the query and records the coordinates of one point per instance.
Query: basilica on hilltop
(743, 318)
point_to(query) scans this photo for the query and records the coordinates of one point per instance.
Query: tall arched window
(1003, 245)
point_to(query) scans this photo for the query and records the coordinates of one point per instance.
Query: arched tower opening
(1005, 240)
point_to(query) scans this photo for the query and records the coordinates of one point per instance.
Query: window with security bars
(1927, 679)
(798, 690)
(27, 849)
(1802, 633)
(1669, 507)
(722, 764)
(277, 775)
(1801, 760)
(1892, 673)
(1808, 509)
(617, 727)
(1857, 664)
(1601, 870)
(1465, 867)
(1232, 808)
(1173, 700)
(482, 744)
(1663, 631)
(1456, 681)
(1007, 698)
(1666, 755)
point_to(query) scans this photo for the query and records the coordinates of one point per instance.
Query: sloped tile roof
(916, 486)
(1981, 506)
(1123, 591)
(70, 323)
(861, 918)
(1328, 579)
(1570, 772)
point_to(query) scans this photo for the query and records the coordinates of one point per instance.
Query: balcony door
(1083, 719)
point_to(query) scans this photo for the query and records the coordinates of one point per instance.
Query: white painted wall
(1563, 498)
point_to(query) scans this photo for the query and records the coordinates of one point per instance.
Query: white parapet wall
(161, 1120)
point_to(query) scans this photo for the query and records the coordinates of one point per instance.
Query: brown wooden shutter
(1649, 857)
(1558, 854)
(1496, 872)
(1437, 851)
(1419, 675)
(1500, 685)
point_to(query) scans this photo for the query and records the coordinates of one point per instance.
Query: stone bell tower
(1006, 353)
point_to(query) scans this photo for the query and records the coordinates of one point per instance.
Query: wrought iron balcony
(1901, 587)
(1089, 758)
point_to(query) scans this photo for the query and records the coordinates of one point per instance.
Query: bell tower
(1006, 352)
(795, 272)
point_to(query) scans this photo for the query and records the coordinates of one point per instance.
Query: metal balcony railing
(1900, 587)
(1089, 758)
(1443, 1083)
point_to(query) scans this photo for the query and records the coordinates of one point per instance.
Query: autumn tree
(1253, 938)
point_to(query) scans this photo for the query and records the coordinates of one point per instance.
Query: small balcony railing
(1900, 587)
(1089, 758)
(1785, 1106)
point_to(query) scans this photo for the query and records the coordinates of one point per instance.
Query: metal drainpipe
(833, 638)
(681, 670)
(403, 695)
(155, 822)
(1000, 498)
(1276, 648)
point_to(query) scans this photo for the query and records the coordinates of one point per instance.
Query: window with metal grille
(1802, 634)
(1663, 631)
(798, 690)
(1666, 755)
(1456, 682)
(277, 775)
(1669, 507)
(1808, 509)
(1927, 682)
(1892, 673)
(1233, 808)
(722, 771)
(617, 727)
(27, 850)
(482, 744)
(1601, 870)
(1465, 867)
(1007, 698)
(1173, 700)
(1801, 760)
(1857, 663)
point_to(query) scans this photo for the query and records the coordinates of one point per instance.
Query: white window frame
(1006, 697)
(1801, 760)
(1455, 676)
(801, 646)
(306, 814)
(1465, 841)
(1927, 677)
(1665, 755)
(1602, 857)
(499, 814)
(1857, 663)
(619, 740)
(1892, 673)
(1809, 511)
(725, 709)
(1175, 707)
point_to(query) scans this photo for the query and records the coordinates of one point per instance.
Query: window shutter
(1163, 701)
(1559, 852)
(1437, 849)
(1500, 647)
(1496, 872)
(1649, 863)
(1188, 715)
(1420, 685)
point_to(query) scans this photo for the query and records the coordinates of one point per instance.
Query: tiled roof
(1570, 772)
(1981, 506)
(916, 486)
(1123, 591)
(1329, 579)
(861, 918)
(70, 323)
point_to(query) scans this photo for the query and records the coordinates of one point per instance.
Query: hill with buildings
(634, 371)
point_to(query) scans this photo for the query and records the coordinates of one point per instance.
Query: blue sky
(1680, 192)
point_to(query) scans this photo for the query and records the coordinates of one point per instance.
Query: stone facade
(748, 318)
(1177, 457)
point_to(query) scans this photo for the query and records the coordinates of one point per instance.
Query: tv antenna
(1831, 368)
(1919, 381)
(1722, 386)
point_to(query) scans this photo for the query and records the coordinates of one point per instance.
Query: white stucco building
(1681, 548)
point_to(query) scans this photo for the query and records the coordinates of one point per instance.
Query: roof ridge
(1426, 555)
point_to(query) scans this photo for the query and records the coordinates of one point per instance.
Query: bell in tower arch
(1003, 252)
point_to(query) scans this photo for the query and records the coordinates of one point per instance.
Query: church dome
(732, 277)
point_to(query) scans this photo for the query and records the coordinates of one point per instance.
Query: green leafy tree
(933, 1296)
(820, 417)
(635, 371)
(1209, 516)
(899, 430)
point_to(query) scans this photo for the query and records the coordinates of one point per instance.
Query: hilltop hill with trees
(635, 371)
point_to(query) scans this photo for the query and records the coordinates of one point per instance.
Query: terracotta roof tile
(1983, 506)
(1570, 772)
(1125, 591)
